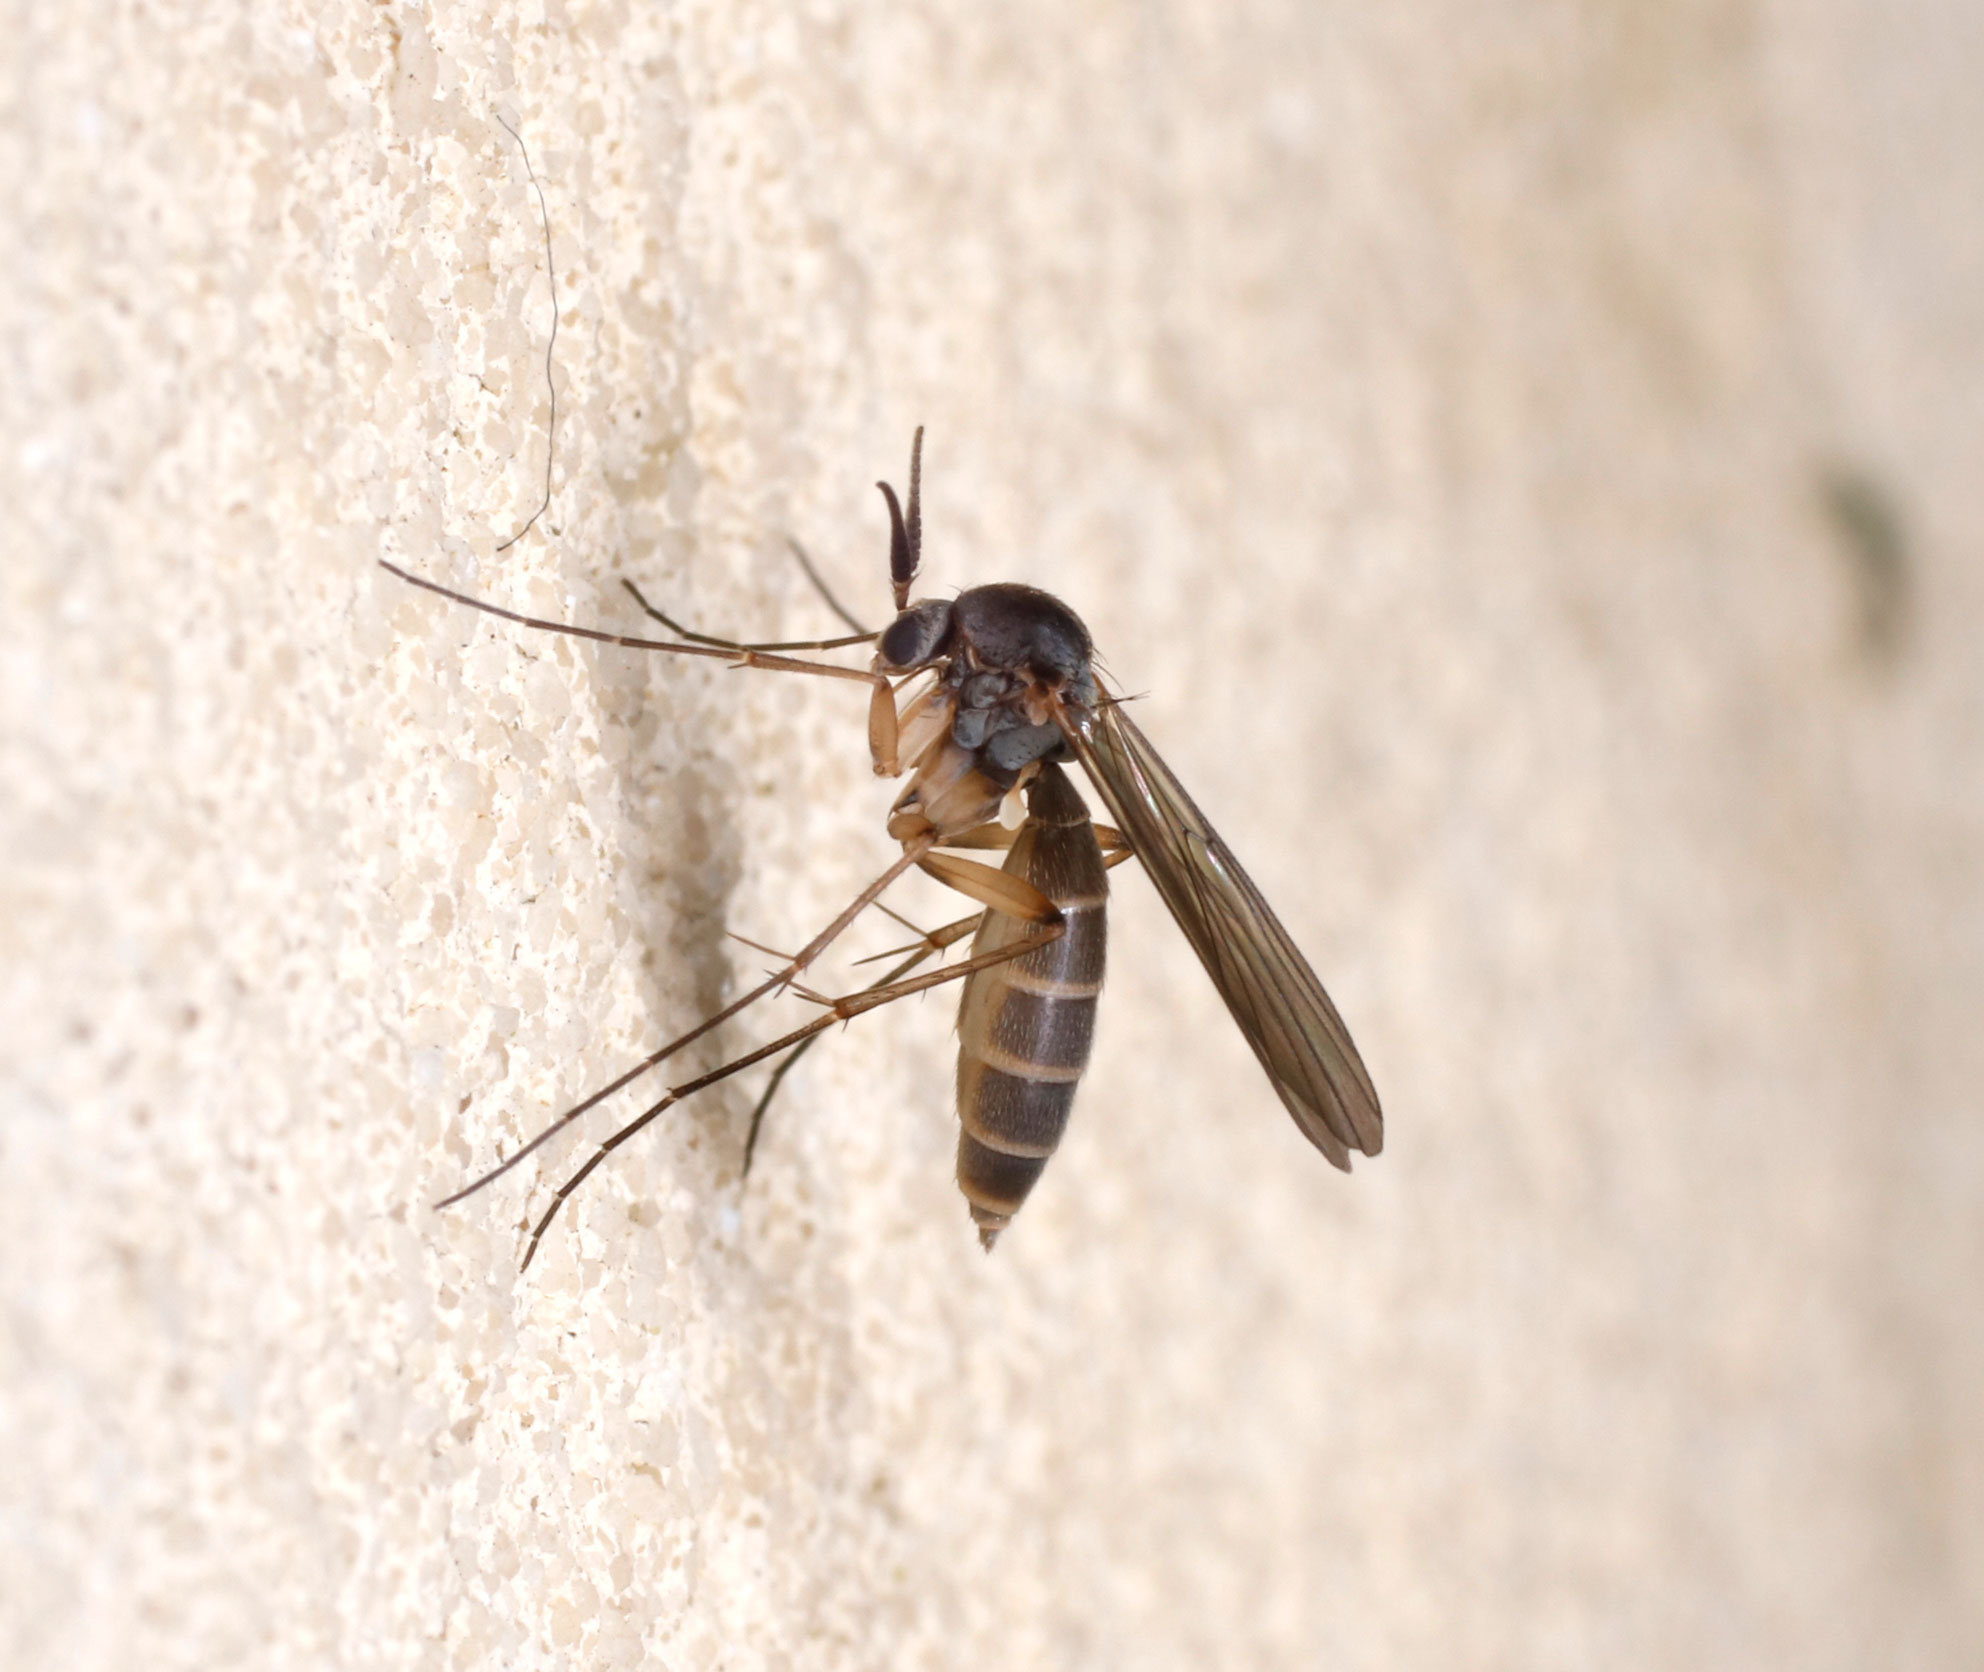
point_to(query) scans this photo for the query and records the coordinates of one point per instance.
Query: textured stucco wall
(1527, 454)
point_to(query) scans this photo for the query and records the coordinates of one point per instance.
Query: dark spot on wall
(1872, 541)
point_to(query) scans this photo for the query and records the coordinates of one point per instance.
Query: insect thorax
(1004, 657)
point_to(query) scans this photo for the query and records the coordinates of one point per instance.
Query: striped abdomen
(1024, 1026)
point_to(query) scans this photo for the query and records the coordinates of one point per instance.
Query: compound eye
(916, 638)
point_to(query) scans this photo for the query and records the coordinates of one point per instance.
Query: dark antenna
(906, 534)
(916, 501)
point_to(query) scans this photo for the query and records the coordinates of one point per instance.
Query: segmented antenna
(906, 534)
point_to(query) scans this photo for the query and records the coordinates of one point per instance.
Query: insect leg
(937, 940)
(934, 940)
(912, 852)
(858, 634)
(883, 729)
(820, 587)
(765, 1100)
(840, 1010)
(734, 646)
(742, 657)
(984, 836)
(1107, 836)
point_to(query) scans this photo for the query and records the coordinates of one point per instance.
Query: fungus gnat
(983, 700)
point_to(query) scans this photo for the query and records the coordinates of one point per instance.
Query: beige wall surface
(1524, 456)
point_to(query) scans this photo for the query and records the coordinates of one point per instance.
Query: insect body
(981, 700)
(1024, 1026)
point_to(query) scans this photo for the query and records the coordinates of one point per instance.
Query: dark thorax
(1003, 656)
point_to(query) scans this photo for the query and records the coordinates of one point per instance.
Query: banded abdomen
(1024, 1026)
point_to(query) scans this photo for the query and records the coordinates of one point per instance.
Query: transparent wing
(1267, 984)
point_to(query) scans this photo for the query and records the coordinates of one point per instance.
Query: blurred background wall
(1525, 456)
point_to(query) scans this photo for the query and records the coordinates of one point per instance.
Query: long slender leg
(857, 634)
(1116, 851)
(912, 852)
(841, 1010)
(784, 1068)
(1108, 836)
(937, 940)
(820, 587)
(740, 657)
(733, 646)
(765, 1098)
(983, 836)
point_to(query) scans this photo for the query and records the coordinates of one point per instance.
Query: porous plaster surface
(1525, 453)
